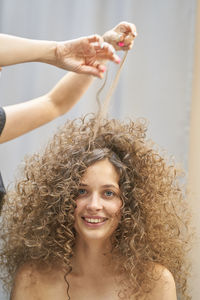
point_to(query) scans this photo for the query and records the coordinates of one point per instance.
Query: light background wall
(155, 83)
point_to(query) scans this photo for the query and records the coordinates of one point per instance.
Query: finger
(127, 44)
(109, 56)
(130, 46)
(95, 38)
(112, 37)
(90, 70)
(115, 58)
(99, 46)
(108, 47)
(115, 37)
(127, 28)
(123, 27)
(103, 51)
(128, 39)
(108, 51)
(120, 48)
(133, 30)
(102, 47)
(118, 38)
(101, 68)
(125, 48)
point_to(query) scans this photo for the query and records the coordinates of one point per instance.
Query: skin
(124, 33)
(69, 55)
(79, 55)
(46, 108)
(99, 198)
(92, 276)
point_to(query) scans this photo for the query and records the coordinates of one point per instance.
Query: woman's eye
(109, 193)
(82, 191)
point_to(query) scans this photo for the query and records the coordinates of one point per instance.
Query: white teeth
(94, 220)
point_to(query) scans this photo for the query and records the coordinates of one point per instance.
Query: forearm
(14, 50)
(24, 117)
(27, 116)
(68, 91)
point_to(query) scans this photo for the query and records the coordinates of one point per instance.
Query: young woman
(99, 214)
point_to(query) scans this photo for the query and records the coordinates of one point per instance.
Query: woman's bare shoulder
(25, 278)
(164, 287)
(33, 281)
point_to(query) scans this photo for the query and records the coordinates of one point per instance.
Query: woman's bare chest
(93, 288)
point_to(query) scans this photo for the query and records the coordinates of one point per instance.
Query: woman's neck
(91, 258)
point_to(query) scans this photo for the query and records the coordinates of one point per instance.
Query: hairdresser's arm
(23, 117)
(26, 116)
(15, 50)
(78, 55)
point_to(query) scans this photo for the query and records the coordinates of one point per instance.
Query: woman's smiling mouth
(94, 221)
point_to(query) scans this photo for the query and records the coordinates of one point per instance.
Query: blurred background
(159, 80)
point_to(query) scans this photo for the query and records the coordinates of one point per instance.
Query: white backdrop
(155, 83)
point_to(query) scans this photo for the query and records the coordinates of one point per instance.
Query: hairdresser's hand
(84, 55)
(122, 36)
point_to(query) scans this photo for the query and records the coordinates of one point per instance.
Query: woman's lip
(94, 217)
(94, 225)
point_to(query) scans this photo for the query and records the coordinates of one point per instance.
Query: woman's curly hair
(38, 216)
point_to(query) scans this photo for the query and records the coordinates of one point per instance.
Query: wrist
(47, 52)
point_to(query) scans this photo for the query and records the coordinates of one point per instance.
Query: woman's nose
(94, 202)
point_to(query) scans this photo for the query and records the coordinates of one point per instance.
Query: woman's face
(98, 205)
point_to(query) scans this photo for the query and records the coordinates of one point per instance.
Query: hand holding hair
(122, 36)
(79, 55)
(83, 55)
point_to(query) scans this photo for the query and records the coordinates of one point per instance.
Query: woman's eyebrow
(104, 186)
(83, 184)
(110, 185)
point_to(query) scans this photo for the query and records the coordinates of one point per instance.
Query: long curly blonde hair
(38, 216)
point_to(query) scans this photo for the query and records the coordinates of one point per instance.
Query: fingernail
(101, 75)
(103, 68)
(121, 44)
(118, 60)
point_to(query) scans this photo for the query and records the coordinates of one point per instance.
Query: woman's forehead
(103, 171)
